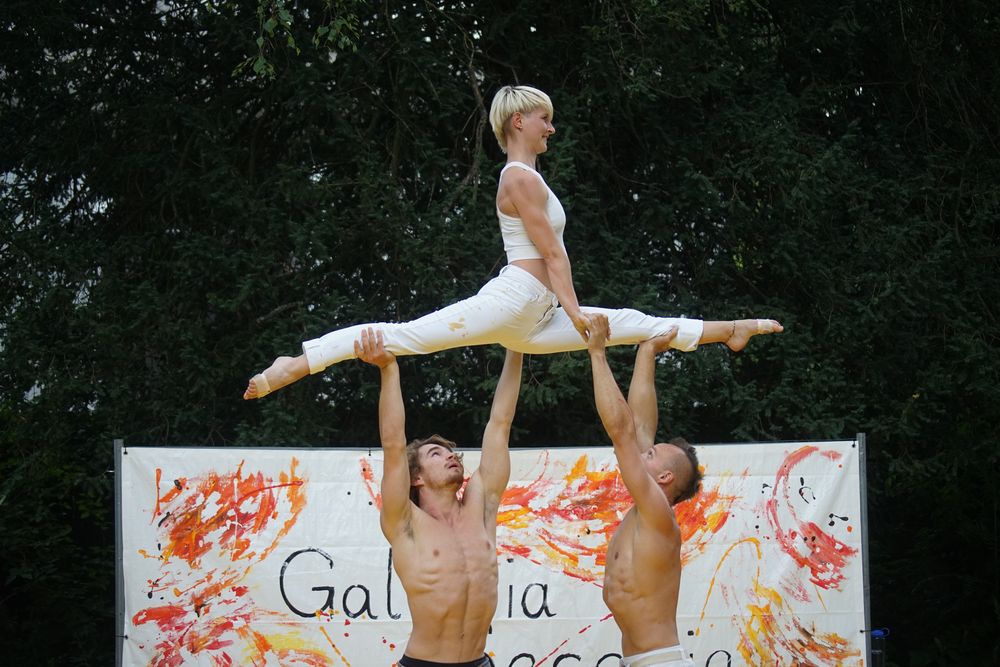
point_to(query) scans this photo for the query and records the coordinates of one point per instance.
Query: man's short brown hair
(693, 482)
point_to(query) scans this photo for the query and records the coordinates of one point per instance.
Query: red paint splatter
(368, 475)
(570, 520)
(763, 640)
(546, 657)
(825, 556)
(229, 518)
(229, 509)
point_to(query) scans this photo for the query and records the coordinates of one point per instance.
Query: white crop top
(516, 242)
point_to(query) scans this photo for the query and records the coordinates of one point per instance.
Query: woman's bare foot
(258, 387)
(743, 330)
(283, 372)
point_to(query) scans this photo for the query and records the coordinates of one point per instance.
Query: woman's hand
(583, 324)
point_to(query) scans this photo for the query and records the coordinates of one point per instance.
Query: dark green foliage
(190, 189)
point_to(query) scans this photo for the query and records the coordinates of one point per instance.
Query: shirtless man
(444, 549)
(643, 572)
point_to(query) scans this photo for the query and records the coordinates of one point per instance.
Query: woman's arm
(529, 196)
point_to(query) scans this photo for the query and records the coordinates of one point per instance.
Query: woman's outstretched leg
(283, 372)
(629, 327)
(502, 312)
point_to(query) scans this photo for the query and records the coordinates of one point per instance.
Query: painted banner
(274, 557)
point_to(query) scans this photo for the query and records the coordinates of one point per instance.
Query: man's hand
(660, 343)
(371, 349)
(600, 331)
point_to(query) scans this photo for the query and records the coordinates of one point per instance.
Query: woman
(531, 307)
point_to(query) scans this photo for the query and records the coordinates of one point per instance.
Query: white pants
(514, 310)
(663, 657)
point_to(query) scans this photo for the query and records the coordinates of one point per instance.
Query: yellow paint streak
(516, 518)
(819, 596)
(759, 634)
(751, 540)
(283, 641)
(769, 594)
(337, 650)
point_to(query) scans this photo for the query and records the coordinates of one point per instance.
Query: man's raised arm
(642, 389)
(391, 425)
(618, 422)
(494, 466)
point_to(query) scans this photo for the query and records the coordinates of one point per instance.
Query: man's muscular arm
(618, 422)
(494, 467)
(396, 506)
(642, 389)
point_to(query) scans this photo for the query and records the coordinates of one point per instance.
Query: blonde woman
(531, 306)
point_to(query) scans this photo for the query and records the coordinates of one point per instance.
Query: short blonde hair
(512, 99)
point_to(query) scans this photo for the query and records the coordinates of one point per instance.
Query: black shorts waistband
(407, 661)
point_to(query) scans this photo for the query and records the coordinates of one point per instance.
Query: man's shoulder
(653, 529)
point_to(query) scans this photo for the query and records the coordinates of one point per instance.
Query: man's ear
(665, 477)
(417, 480)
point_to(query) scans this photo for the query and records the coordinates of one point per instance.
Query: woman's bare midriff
(535, 267)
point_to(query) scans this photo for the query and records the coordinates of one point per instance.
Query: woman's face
(536, 128)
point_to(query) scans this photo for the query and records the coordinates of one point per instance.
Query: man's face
(440, 466)
(661, 464)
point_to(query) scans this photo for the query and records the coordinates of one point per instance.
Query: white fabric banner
(275, 557)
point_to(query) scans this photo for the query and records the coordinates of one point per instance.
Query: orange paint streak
(175, 490)
(309, 658)
(197, 584)
(167, 617)
(261, 643)
(702, 517)
(567, 522)
(827, 648)
(763, 641)
(230, 518)
(231, 509)
(156, 510)
(158, 586)
(205, 636)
